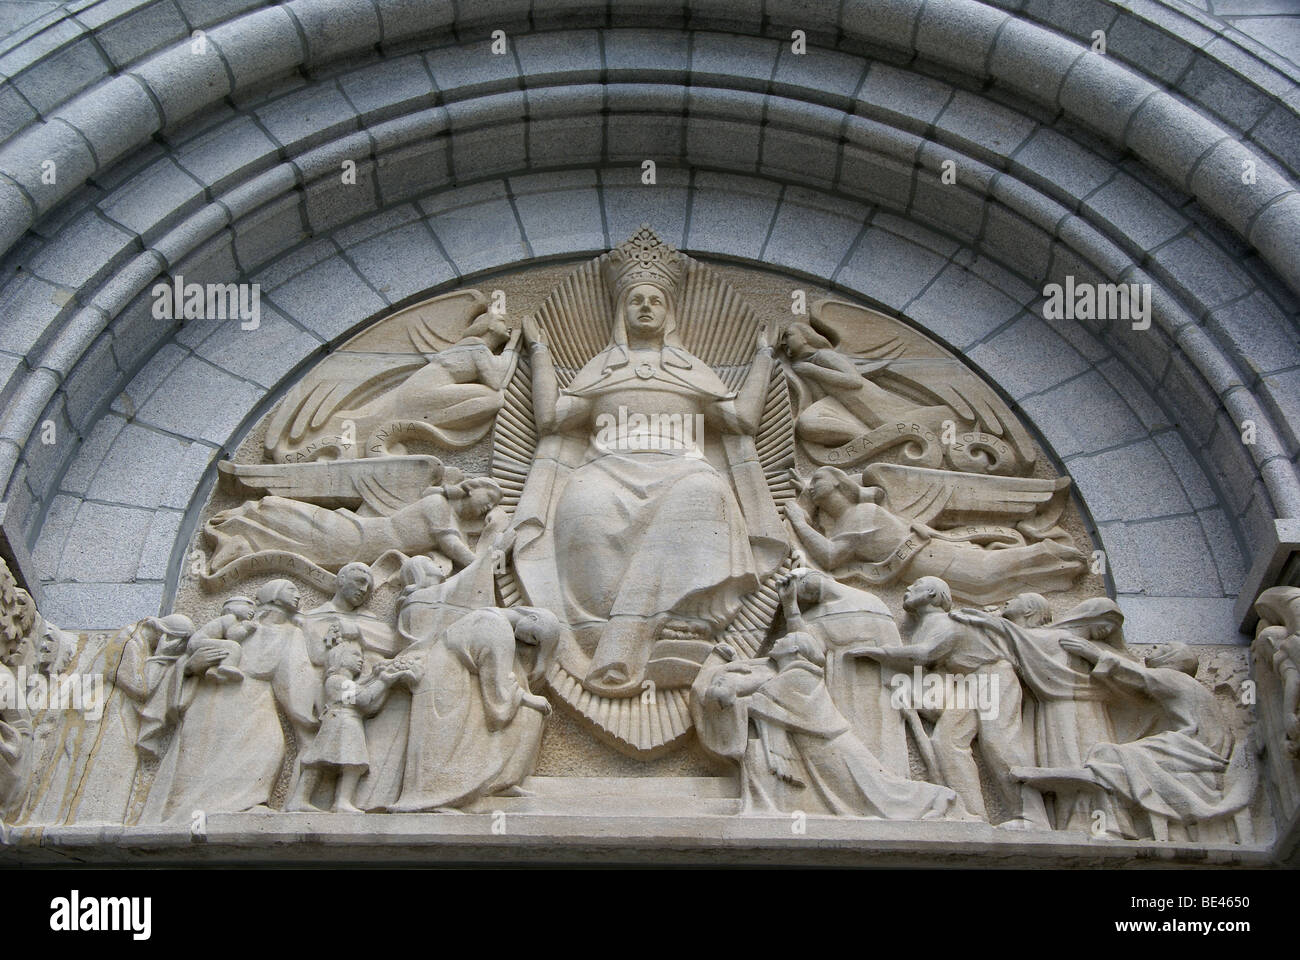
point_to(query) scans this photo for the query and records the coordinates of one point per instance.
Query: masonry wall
(224, 164)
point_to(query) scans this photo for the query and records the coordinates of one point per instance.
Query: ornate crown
(643, 258)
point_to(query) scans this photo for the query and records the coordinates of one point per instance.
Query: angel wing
(906, 361)
(940, 498)
(379, 485)
(368, 366)
(342, 381)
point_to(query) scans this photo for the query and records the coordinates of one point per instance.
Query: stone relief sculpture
(1277, 649)
(630, 504)
(875, 532)
(107, 784)
(225, 634)
(339, 745)
(58, 762)
(302, 535)
(17, 617)
(806, 756)
(1187, 768)
(475, 724)
(938, 638)
(642, 441)
(447, 392)
(866, 388)
(226, 743)
(847, 621)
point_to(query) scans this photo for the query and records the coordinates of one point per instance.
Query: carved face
(796, 344)
(289, 598)
(529, 630)
(647, 309)
(498, 332)
(822, 486)
(240, 609)
(47, 650)
(1100, 632)
(355, 587)
(917, 596)
(810, 588)
(352, 659)
(481, 499)
(1017, 611)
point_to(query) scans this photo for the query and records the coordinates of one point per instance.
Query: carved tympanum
(682, 521)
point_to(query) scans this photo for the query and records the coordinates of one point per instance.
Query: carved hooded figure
(229, 745)
(1187, 766)
(476, 725)
(805, 755)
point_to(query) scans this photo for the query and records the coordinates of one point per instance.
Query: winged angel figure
(432, 375)
(313, 518)
(343, 484)
(867, 388)
(989, 537)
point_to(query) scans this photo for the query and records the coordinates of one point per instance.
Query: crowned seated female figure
(641, 533)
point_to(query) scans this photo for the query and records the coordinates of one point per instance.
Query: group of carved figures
(640, 576)
(267, 707)
(1051, 719)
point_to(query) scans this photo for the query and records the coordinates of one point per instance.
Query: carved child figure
(226, 633)
(340, 743)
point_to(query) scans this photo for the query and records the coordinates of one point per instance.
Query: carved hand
(787, 589)
(540, 704)
(533, 335)
(722, 695)
(203, 658)
(1081, 648)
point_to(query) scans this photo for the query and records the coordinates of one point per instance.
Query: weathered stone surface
(824, 171)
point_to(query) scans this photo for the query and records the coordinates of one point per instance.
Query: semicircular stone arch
(228, 166)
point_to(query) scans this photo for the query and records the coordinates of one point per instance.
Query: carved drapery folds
(814, 553)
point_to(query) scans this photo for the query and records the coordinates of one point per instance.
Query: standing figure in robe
(339, 746)
(942, 640)
(15, 730)
(354, 585)
(476, 725)
(805, 756)
(1071, 710)
(642, 546)
(228, 746)
(845, 619)
(60, 736)
(103, 792)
